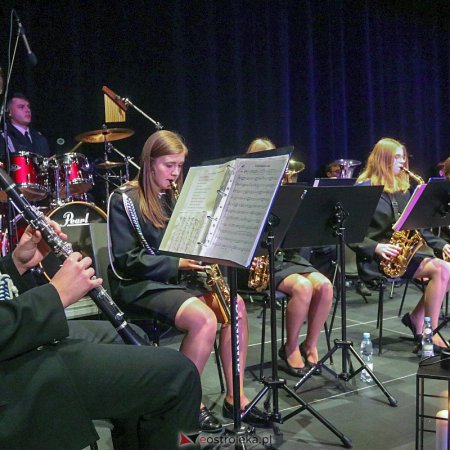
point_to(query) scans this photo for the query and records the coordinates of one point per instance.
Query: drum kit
(59, 185)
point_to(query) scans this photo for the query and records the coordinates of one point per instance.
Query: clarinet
(62, 248)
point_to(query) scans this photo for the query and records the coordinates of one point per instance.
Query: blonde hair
(160, 143)
(379, 167)
(447, 168)
(260, 144)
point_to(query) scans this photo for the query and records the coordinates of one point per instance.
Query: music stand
(327, 215)
(280, 219)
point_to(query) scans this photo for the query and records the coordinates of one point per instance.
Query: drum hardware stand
(338, 225)
(128, 102)
(274, 383)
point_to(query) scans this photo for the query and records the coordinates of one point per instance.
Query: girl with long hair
(144, 281)
(384, 167)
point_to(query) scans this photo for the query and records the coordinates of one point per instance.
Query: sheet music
(186, 231)
(223, 208)
(246, 208)
(409, 206)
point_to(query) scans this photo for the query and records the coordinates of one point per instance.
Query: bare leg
(319, 309)
(438, 272)
(300, 292)
(200, 325)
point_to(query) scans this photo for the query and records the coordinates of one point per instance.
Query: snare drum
(77, 220)
(72, 170)
(30, 172)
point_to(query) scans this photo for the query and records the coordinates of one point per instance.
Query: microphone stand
(10, 210)
(128, 102)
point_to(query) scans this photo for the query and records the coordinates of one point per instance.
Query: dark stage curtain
(327, 76)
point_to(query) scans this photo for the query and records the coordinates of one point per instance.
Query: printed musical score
(222, 209)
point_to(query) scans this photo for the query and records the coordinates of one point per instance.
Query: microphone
(31, 56)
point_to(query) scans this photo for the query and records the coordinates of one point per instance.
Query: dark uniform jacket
(380, 231)
(145, 272)
(20, 143)
(39, 407)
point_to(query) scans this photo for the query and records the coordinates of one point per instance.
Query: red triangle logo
(184, 440)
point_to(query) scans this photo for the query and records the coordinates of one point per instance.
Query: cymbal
(105, 165)
(106, 134)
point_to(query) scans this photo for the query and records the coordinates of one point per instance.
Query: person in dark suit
(384, 167)
(22, 137)
(146, 282)
(310, 299)
(52, 387)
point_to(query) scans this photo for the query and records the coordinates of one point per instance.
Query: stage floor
(359, 411)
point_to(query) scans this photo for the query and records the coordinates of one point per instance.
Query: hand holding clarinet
(75, 276)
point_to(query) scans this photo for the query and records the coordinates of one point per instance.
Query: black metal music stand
(429, 207)
(238, 430)
(280, 220)
(327, 215)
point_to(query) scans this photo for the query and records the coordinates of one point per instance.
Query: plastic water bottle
(427, 339)
(367, 357)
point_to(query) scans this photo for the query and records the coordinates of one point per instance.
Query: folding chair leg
(403, 298)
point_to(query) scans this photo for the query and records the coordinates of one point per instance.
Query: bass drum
(80, 221)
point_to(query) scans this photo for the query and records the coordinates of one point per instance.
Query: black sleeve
(22, 282)
(32, 319)
(130, 258)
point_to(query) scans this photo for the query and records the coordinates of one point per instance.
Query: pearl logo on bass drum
(70, 220)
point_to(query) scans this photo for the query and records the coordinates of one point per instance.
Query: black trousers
(152, 394)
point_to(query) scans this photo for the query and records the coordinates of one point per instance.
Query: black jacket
(145, 272)
(39, 407)
(39, 142)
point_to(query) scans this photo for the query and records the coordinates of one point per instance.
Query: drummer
(21, 136)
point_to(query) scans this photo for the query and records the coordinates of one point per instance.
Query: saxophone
(258, 278)
(218, 299)
(409, 242)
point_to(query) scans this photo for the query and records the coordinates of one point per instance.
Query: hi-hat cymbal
(106, 134)
(106, 165)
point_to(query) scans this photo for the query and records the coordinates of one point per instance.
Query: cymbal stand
(128, 159)
(340, 215)
(274, 383)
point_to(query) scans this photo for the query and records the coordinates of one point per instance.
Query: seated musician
(384, 167)
(144, 281)
(52, 386)
(310, 298)
(22, 137)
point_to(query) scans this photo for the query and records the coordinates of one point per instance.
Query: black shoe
(208, 422)
(362, 289)
(406, 320)
(254, 417)
(309, 364)
(299, 372)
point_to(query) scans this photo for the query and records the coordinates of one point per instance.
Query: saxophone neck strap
(394, 206)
